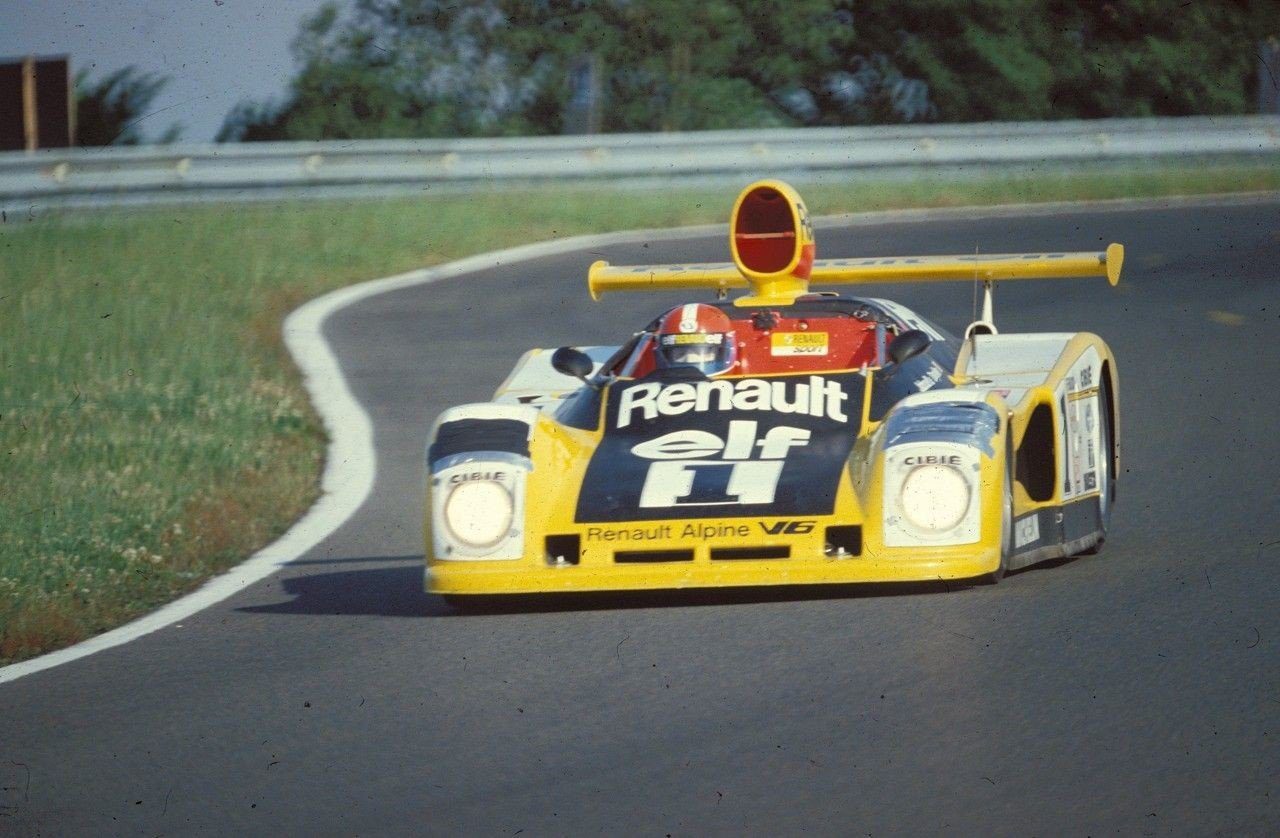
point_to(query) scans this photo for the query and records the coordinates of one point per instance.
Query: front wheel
(472, 603)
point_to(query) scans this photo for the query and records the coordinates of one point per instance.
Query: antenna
(986, 323)
(974, 314)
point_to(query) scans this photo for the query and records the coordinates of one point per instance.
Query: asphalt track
(1135, 692)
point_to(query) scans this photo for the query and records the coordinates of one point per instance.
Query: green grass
(152, 429)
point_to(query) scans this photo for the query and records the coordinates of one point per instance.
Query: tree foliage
(438, 68)
(110, 111)
(1055, 59)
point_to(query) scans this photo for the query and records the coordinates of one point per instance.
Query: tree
(439, 68)
(1057, 59)
(110, 111)
(431, 68)
(419, 68)
(1136, 58)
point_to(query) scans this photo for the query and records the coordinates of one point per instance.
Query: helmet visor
(709, 353)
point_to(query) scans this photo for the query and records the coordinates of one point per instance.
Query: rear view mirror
(570, 361)
(908, 345)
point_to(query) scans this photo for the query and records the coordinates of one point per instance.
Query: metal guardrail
(236, 171)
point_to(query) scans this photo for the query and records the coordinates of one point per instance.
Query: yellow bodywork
(562, 455)
(793, 274)
(603, 277)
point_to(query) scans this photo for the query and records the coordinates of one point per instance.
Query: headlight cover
(477, 508)
(934, 498)
(479, 513)
(932, 495)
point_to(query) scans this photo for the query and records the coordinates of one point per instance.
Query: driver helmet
(696, 336)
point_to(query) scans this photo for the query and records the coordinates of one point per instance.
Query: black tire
(471, 603)
(1106, 473)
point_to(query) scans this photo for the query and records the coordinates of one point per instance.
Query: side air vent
(843, 542)
(563, 550)
(1036, 466)
(750, 553)
(646, 556)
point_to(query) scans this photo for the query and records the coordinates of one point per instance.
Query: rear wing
(773, 248)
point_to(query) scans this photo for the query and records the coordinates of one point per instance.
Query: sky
(217, 52)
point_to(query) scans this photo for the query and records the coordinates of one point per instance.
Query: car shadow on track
(391, 591)
(396, 591)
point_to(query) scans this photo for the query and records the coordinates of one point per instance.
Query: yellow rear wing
(772, 244)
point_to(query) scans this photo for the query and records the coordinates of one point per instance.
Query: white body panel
(1080, 429)
(535, 382)
(503, 468)
(997, 355)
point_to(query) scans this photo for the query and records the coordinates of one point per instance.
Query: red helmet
(698, 336)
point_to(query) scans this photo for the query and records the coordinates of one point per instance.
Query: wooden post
(71, 107)
(30, 128)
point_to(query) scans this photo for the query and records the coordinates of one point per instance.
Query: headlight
(478, 512)
(934, 497)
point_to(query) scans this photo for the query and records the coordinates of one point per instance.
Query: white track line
(351, 462)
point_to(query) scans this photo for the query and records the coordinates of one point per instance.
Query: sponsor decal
(1078, 401)
(930, 378)
(751, 447)
(739, 444)
(933, 460)
(818, 396)
(666, 270)
(1026, 531)
(787, 527)
(666, 532)
(711, 339)
(783, 344)
(1074, 445)
(478, 475)
(735, 478)
(653, 533)
(806, 226)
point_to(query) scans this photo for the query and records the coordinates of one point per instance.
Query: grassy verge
(152, 429)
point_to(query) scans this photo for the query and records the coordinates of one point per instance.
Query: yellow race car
(782, 437)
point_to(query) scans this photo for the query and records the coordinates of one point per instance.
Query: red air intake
(765, 233)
